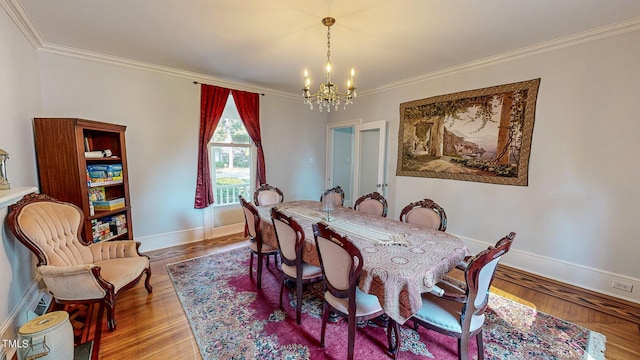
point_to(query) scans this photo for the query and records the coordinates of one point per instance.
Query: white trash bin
(49, 337)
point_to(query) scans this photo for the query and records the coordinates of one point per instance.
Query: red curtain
(248, 105)
(212, 102)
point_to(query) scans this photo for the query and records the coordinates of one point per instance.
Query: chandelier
(328, 95)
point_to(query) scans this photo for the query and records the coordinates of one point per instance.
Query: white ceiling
(268, 43)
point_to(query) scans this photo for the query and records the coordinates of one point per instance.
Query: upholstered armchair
(72, 270)
(459, 310)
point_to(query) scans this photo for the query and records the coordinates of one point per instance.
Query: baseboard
(17, 318)
(166, 240)
(625, 310)
(579, 276)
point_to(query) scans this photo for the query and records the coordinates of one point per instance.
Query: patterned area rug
(232, 319)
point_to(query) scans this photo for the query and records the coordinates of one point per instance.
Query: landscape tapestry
(481, 135)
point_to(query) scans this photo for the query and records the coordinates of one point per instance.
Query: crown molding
(556, 44)
(16, 12)
(115, 60)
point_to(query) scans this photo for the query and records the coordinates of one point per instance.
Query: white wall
(19, 100)
(294, 144)
(161, 112)
(576, 221)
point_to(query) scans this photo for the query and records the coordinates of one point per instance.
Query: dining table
(401, 261)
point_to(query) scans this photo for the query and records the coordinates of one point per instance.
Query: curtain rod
(199, 83)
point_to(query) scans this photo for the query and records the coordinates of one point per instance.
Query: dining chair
(267, 194)
(425, 213)
(373, 203)
(256, 245)
(290, 237)
(458, 310)
(72, 270)
(337, 193)
(341, 264)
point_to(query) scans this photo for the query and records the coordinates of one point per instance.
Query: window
(232, 158)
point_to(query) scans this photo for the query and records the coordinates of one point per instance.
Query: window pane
(233, 173)
(230, 128)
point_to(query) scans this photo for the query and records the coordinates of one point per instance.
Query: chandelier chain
(328, 44)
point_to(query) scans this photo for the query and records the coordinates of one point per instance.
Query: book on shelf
(108, 205)
(104, 170)
(108, 227)
(97, 194)
(93, 182)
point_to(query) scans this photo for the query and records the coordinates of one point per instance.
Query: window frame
(252, 169)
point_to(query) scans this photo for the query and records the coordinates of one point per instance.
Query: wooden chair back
(267, 194)
(290, 237)
(425, 213)
(337, 193)
(373, 203)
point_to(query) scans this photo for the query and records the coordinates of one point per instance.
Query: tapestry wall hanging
(481, 135)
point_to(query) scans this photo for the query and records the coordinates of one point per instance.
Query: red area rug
(232, 319)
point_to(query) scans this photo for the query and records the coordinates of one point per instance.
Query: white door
(370, 146)
(340, 154)
(356, 158)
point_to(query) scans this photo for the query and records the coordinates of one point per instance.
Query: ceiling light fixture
(328, 95)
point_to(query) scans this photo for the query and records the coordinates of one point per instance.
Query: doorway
(356, 158)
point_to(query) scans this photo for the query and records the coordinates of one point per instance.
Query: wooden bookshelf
(62, 166)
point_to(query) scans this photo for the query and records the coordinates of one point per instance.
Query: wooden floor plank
(155, 326)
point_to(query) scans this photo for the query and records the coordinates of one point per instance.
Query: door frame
(328, 181)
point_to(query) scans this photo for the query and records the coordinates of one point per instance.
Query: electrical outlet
(620, 285)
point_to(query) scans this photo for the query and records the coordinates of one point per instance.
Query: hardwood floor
(155, 327)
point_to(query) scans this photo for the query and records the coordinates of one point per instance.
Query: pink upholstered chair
(459, 310)
(257, 247)
(73, 271)
(341, 264)
(373, 203)
(267, 195)
(337, 193)
(425, 213)
(290, 242)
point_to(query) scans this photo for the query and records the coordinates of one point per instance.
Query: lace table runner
(357, 229)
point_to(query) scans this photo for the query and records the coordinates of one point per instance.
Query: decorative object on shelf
(328, 95)
(4, 182)
(97, 154)
(481, 135)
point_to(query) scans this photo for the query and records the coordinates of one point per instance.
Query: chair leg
(259, 275)
(251, 266)
(282, 290)
(111, 311)
(480, 345)
(298, 300)
(325, 316)
(351, 336)
(147, 283)
(393, 331)
(463, 348)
